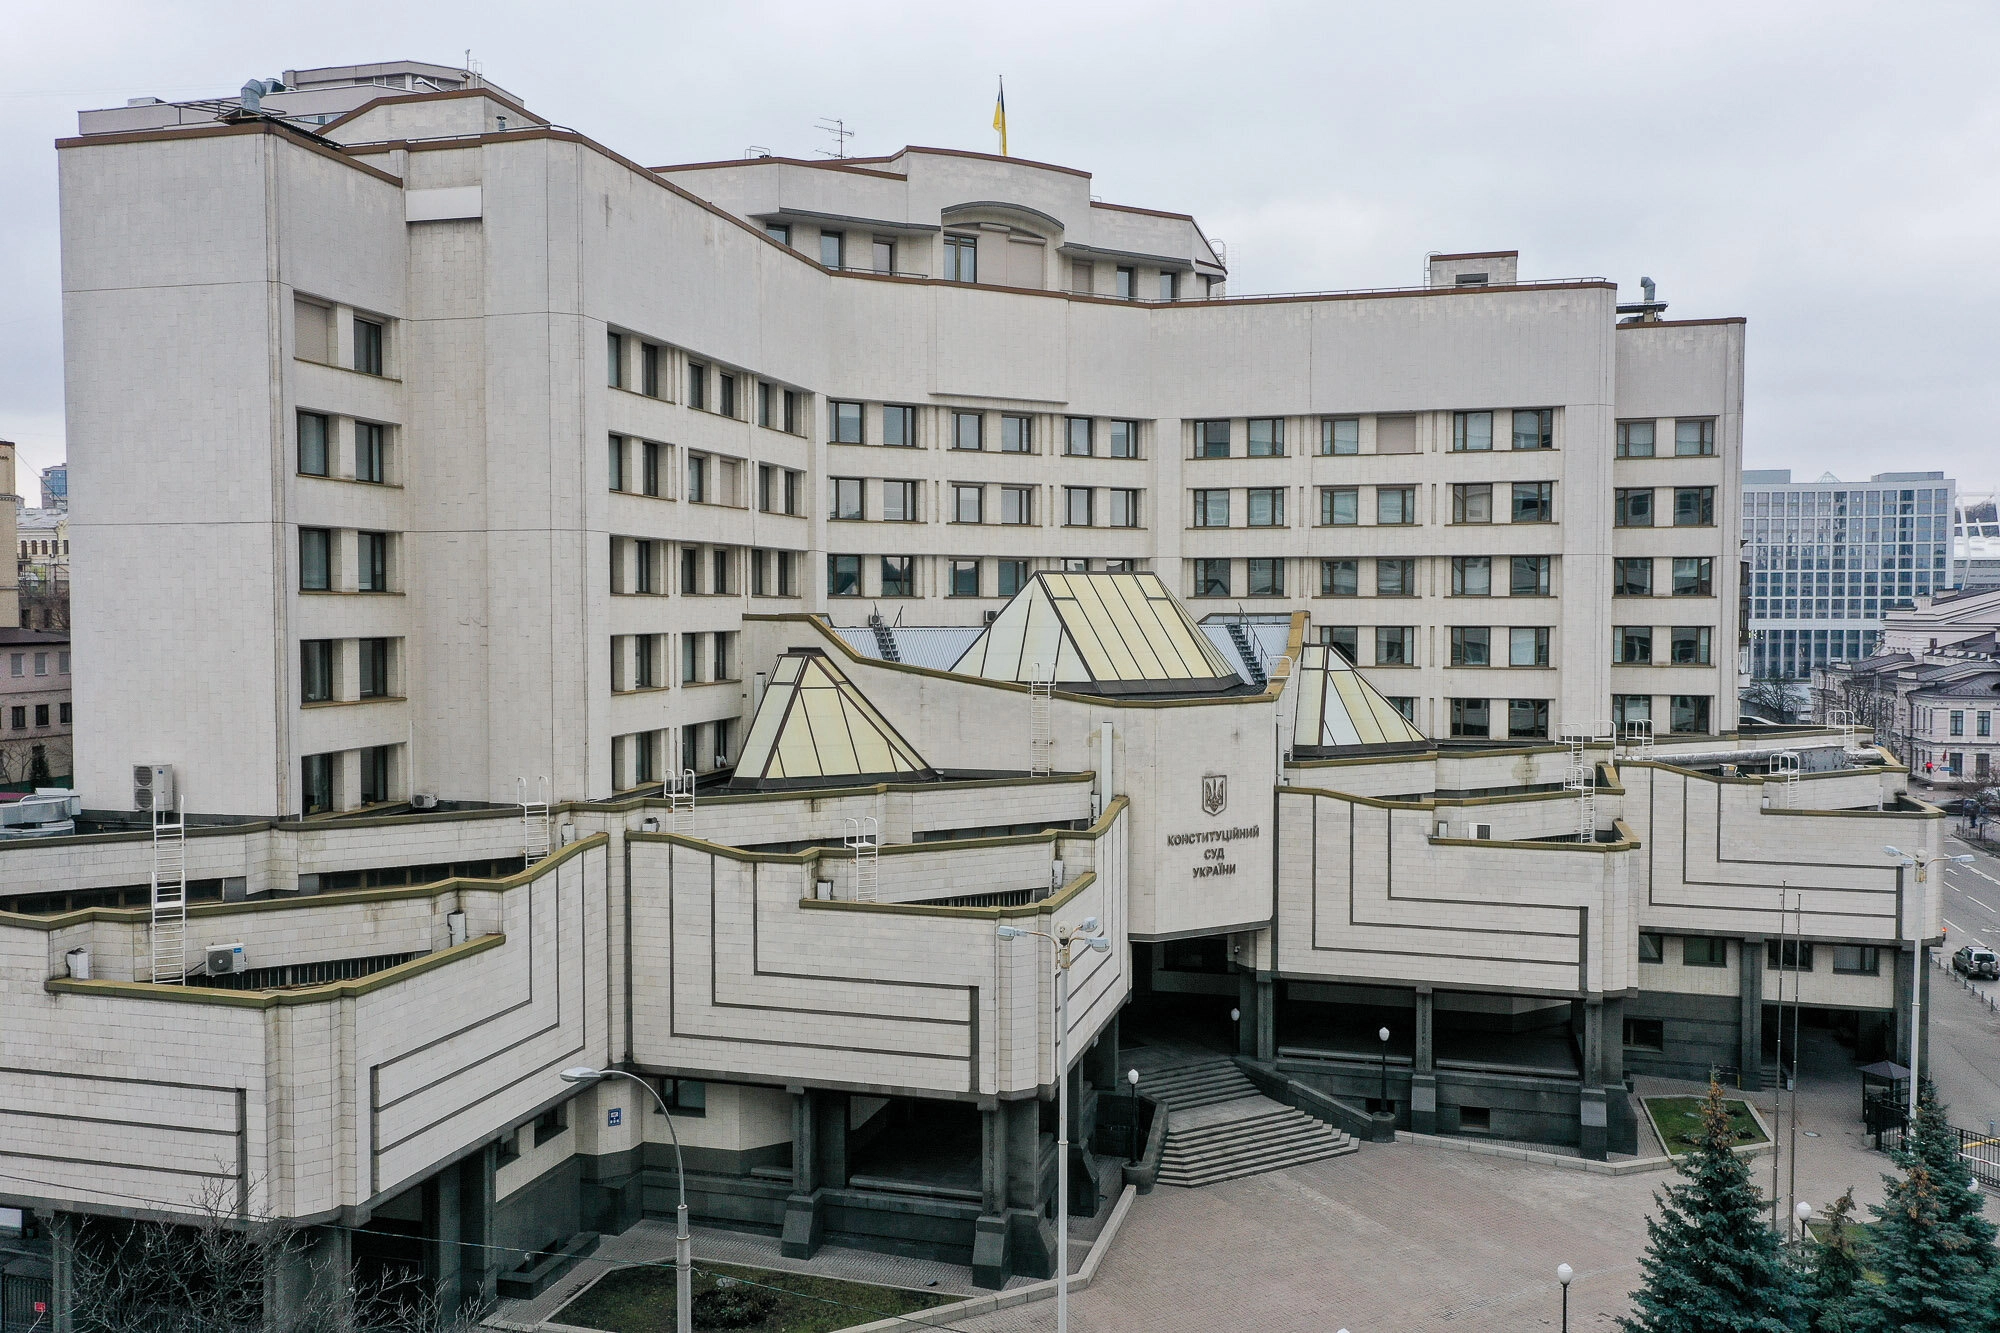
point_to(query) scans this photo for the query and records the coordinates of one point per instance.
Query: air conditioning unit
(1482, 830)
(152, 787)
(224, 960)
(649, 825)
(78, 962)
(1056, 875)
(992, 616)
(423, 801)
(1444, 829)
(454, 928)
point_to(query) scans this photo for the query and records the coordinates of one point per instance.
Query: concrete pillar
(62, 1285)
(1923, 1070)
(308, 1282)
(442, 1224)
(1750, 1013)
(1246, 1008)
(1031, 1232)
(479, 1267)
(830, 1117)
(1899, 1043)
(1267, 1018)
(1423, 1068)
(1591, 1138)
(804, 1227)
(1101, 1060)
(992, 1254)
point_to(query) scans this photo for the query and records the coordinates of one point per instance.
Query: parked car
(1975, 962)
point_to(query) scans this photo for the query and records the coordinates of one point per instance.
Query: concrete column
(479, 1268)
(1031, 1232)
(1899, 1042)
(1750, 1014)
(830, 1117)
(1423, 1069)
(992, 1252)
(62, 1286)
(1923, 1069)
(1594, 1121)
(1102, 1059)
(442, 1224)
(804, 1227)
(1246, 1008)
(309, 1280)
(1267, 1018)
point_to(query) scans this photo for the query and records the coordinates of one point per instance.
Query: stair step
(1228, 1128)
(1264, 1136)
(1194, 1180)
(1247, 1149)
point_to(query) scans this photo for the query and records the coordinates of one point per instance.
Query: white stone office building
(1829, 560)
(989, 563)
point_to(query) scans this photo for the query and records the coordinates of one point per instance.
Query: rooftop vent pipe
(255, 90)
(1646, 286)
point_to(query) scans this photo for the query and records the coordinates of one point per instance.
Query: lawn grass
(1678, 1122)
(641, 1300)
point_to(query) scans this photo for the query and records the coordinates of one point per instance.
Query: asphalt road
(1971, 901)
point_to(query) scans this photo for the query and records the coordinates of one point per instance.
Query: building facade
(55, 487)
(696, 609)
(1829, 560)
(10, 601)
(1932, 692)
(35, 721)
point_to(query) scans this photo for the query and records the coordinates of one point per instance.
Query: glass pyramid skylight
(1099, 633)
(813, 726)
(1336, 708)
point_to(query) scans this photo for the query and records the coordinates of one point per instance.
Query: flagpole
(1000, 114)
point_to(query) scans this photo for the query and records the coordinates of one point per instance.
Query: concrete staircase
(1219, 1127)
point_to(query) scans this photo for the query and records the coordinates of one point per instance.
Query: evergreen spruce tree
(1932, 1251)
(1712, 1263)
(1832, 1269)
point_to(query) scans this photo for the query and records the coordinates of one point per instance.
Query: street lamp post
(1922, 865)
(1384, 1035)
(1132, 1079)
(1564, 1273)
(1065, 939)
(683, 1245)
(1804, 1214)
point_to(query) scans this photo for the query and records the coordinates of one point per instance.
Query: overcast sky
(1831, 171)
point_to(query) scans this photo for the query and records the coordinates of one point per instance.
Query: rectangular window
(1395, 578)
(1694, 439)
(1211, 578)
(1076, 506)
(313, 324)
(1076, 437)
(1528, 646)
(1393, 645)
(645, 661)
(1690, 645)
(720, 563)
(1340, 435)
(367, 346)
(1211, 509)
(315, 559)
(846, 422)
(1471, 718)
(1861, 960)
(1471, 576)
(847, 498)
(1534, 502)
(1471, 432)
(897, 579)
(1471, 646)
(1126, 277)
(371, 561)
(1267, 437)
(1339, 578)
(1343, 639)
(1985, 727)
(1634, 507)
(968, 504)
(314, 434)
(1124, 441)
(899, 502)
(727, 405)
(374, 668)
(884, 253)
(966, 430)
(1645, 1034)
(1632, 576)
(1652, 948)
(781, 232)
(1635, 439)
(1017, 505)
(1122, 508)
(1211, 439)
(19, 717)
(832, 249)
(1527, 719)
(1632, 644)
(614, 360)
(965, 578)
(690, 571)
(698, 386)
(1013, 576)
(649, 370)
(1267, 577)
(1788, 955)
(316, 784)
(1395, 505)
(722, 667)
(1266, 506)
(1472, 502)
(1693, 575)
(1530, 576)
(1016, 435)
(1395, 435)
(899, 427)
(961, 259)
(794, 419)
(1170, 286)
(316, 674)
(369, 452)
(843, 576)
(1689, 715)
(615, 457)
(1535, 428)
(1704, 951)
(1694, 506)
(1339, 506)
(62, 716)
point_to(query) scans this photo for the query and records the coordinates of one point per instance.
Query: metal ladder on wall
(1582, 778)
(680, 803)
(534, 819)
(169, 934)
(1041, 733)
(864, 839)
(1785, 765)
(1639, 738)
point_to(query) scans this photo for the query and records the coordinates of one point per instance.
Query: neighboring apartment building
(42, 568)
(1829, 560)
(55, 486)
(1932, 691)
(1976, 541)
(888, 385)
(592, 474)
(35, 723)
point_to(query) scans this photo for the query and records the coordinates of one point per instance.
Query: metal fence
(1978, 1149)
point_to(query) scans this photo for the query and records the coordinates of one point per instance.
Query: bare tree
(1770, 696)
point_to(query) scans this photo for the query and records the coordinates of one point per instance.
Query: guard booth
(1885, 1099)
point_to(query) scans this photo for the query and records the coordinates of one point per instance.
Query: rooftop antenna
(841, 134)
(472, 70)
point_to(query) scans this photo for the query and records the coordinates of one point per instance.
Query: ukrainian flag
(1000, 116)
